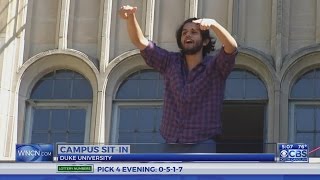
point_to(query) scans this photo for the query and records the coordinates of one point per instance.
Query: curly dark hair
(204, 34)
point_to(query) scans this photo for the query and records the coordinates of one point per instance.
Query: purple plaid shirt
(192, 99)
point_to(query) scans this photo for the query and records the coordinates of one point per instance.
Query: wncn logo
(34, 152)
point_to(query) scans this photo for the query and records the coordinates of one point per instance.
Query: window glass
(307, 138)
(59, 119)
(77, 120)
(137, 121)
(159, 115)
(41, 138)
(64, 74)
(255, 89)
(149, 74)
(317, 87)
(128, 119)
(145, 137)
(146, 84)
(317, 119)
(303, 89)
(307, 86)
(41, 119)
(317, 154)
(305, 96)
(81, 89)
(304, 116)
(43, 89)
(127, 137)
(129, 90)
(234, 89)
(53, 119)
(76, 137)
(147, 118)
(52, 124)
(140, 123)
(62, 84)
(58, 137)
(237, 74)
(62, 89)
(242, 84)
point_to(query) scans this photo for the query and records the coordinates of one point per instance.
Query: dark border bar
(148, 177)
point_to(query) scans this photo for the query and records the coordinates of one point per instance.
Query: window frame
(56, 104)
(117, 104)
(292, 122)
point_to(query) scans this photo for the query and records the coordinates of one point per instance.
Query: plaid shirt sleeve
(156, 57)
(221, 64)
(224, 63)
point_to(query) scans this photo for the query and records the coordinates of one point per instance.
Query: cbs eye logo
(284, 153)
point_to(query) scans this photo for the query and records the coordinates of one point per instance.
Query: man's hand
(126, 11)
(134, 31)
(228, 42)
(205, 24)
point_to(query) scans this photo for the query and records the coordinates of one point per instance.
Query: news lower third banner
(289, 153)
(85, 153)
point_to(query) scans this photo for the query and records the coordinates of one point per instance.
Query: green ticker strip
(75, 168)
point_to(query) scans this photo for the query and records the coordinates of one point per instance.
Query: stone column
(63, 28)
(9, 50)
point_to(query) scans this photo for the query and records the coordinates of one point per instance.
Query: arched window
(138, 109)
(305, 110)
(244, 85)
(143, 85)
(243, 116)
(59, 109)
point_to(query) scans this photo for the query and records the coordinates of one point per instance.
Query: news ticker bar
(160, 168)
(256, 157)
(296, 152)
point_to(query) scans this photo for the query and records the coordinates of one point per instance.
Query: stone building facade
(68, 72)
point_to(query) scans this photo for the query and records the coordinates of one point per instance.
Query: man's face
(191, 39)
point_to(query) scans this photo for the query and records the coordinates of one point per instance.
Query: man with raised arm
(194, 81)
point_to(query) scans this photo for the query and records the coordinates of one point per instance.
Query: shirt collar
(204, 61)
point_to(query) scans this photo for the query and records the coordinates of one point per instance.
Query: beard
(193, 50)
